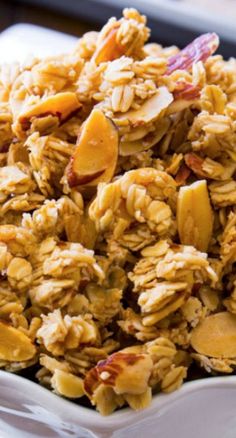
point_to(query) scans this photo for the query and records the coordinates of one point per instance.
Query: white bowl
(200, 409)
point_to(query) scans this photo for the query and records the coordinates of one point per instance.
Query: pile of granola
(117, 215)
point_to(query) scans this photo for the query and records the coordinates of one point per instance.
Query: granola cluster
(117, 216)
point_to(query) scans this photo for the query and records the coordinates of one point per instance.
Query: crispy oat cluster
(117, 215)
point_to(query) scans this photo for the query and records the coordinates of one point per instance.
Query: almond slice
(152, 108)
(198, 50)
(95, 156)
(109, 49)
(194, 215)
(15, 346)
(195, 163)
(215, 336)
(67, 384)
(126, 372)
(61, 105)
(152, 138)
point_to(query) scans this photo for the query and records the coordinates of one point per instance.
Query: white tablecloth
(22, 40)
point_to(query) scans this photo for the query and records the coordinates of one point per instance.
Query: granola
(117, 216)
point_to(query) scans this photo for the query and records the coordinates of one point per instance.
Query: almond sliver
(15, 346)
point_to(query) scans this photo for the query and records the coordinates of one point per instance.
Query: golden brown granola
(117, 215)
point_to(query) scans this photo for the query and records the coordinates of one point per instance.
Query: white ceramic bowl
(200, 409)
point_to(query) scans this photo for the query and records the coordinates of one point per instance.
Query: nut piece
(182, 174)
(109, 49)
(194, 215)
(127, 148)
(61, 105)
(125, 372)
(215, 336)
(95, 156)
(140, 401)
(186, 91)
(67, 384)
(198, 50)
(151, 109)
(15, 346)
(195, 163)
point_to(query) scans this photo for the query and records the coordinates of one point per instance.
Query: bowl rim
(69, 412)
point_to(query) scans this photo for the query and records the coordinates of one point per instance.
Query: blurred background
(171, 21)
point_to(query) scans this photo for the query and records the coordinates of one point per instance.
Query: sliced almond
(61, 105)
(182, 174)
(15, 346)
(151, 109)
(198, 50)
(126, 372)
(133, 147)
(195, 163)
(140, 401)
(109, 49)
(179, 105)
(67, 384)
(215, 336)
(95, 156)
(194, 215)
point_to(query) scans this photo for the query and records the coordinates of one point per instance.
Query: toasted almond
(215, 336)
(61, 105)
(198, 50)
(195, 163)
(194, 215)
(67, 384)
(95, 156)
(109, 49)
(15, 346)
(141, 401)
(126, 372)
(132, 147)
(182, 174)
(152, 108)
